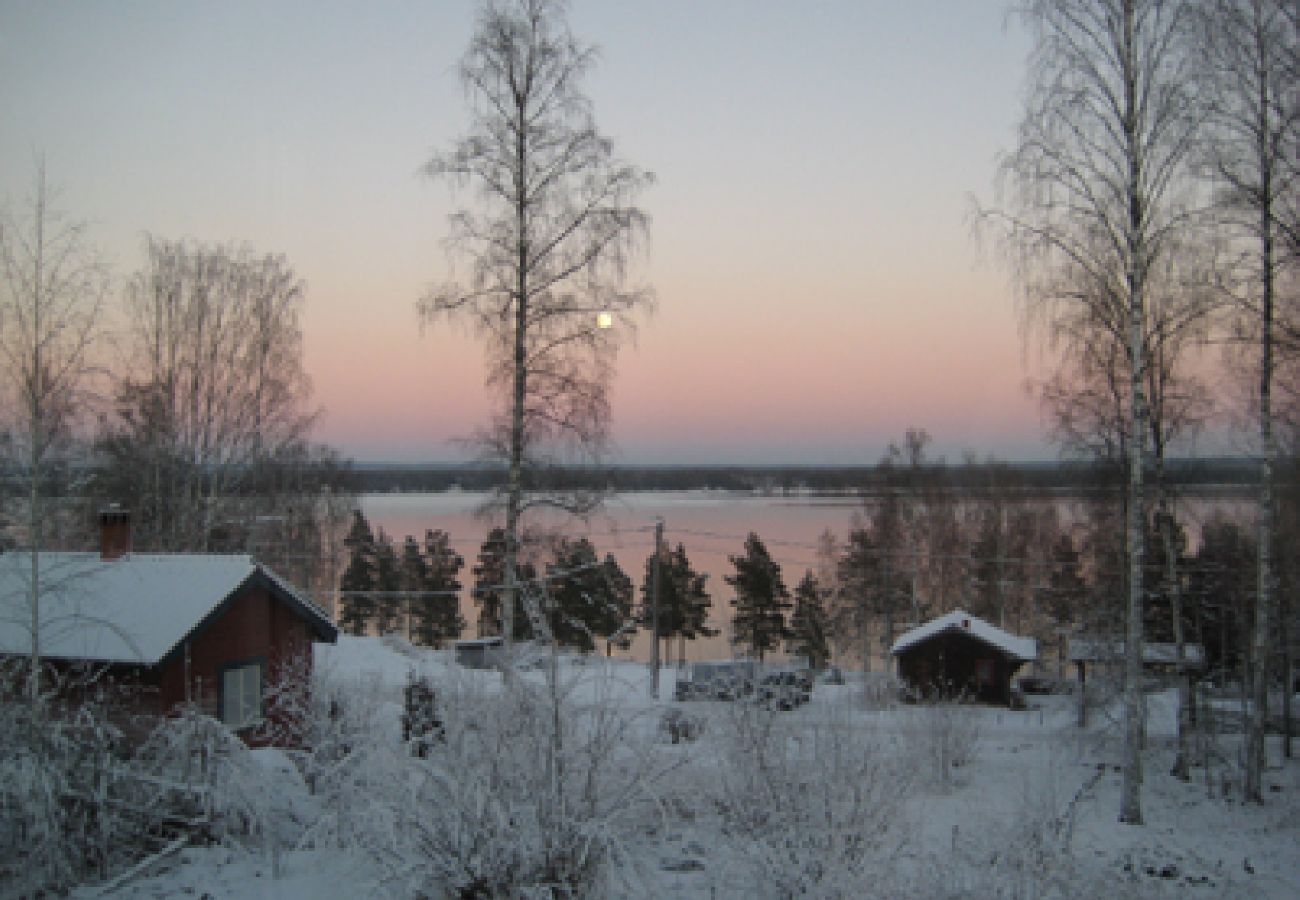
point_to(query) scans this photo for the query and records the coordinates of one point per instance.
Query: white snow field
(833, 799)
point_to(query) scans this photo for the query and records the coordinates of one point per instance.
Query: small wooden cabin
(1105, 657)
(215, 630)
(960, 655)
(480, 653)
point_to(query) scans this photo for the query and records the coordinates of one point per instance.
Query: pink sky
(819, 291)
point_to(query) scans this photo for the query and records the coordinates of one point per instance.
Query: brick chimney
(114, 532)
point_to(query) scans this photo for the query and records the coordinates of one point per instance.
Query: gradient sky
(819, 290)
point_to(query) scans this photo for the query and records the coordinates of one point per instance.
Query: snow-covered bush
(806, 805)
(77, 800)
(539, 788)
(880, 690)
(946, 734)
(534, 789)
(343, 736)
(203, 778)
(61, 818)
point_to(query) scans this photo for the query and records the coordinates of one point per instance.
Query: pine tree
(489, 587)
(692, 595)
(683, 598)
(1158, 612)
(808, 624)
(858, 572)
(761, 599)
(592, 600)
(358, 579)
(1066, 592)
(1223, 592)
(621, 588)
(436, 617)
(412, 576)
(988, 576)
(388, 606)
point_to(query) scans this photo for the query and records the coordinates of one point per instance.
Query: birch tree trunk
(1097, 178)
(548, 246)
(1249, 54)
(52, 289)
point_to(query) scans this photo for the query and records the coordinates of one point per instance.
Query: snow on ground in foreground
(1031, 772)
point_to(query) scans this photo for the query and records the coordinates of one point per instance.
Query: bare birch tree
(1248, 49)
(214, 402)
(1088, 404)
(546, 246)
(52, 291)
(1094, 212)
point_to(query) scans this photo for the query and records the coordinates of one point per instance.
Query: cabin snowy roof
(1085, 649)
(1023, 649)
(138, 608)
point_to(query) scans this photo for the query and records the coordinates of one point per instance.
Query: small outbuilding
(962, 655)
(480, 653)
(1105, 657)
(1108, 655)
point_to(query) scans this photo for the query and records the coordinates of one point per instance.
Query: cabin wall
(953, 664)
(253, 628)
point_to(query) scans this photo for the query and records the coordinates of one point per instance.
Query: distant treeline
(1033, 477)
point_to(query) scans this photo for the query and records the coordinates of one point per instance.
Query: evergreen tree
(858, 574)
(683, 599)
(988, 579)
(622, 592)
(761, 599)
(489, 581)
(412, 576)
(1222, 591)
(359, 578)
(1157, 614)
(436, 616)
(592, 600)
(1066, 592)
(388, 605)
(489, 575)
(808, 624)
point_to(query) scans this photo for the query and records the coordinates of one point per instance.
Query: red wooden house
(185, 627)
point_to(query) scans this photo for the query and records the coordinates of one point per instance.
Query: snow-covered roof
(1021, 648)
(134, 609)
(1155, 653)
(494, 641)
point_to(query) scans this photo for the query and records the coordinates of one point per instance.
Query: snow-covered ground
(1029, 809)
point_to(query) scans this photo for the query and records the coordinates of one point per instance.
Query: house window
(241, 695)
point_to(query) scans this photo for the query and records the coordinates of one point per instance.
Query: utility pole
(654, 609)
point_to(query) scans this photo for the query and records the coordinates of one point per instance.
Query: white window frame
(241, 695)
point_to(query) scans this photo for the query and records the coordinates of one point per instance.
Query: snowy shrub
(532, 790)
(946, 734)
(881, 690)
(678, 726)
(75, 802)
(342, 737)
(59, 819)
(538, 790)
(807, 805)
(206, 781)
